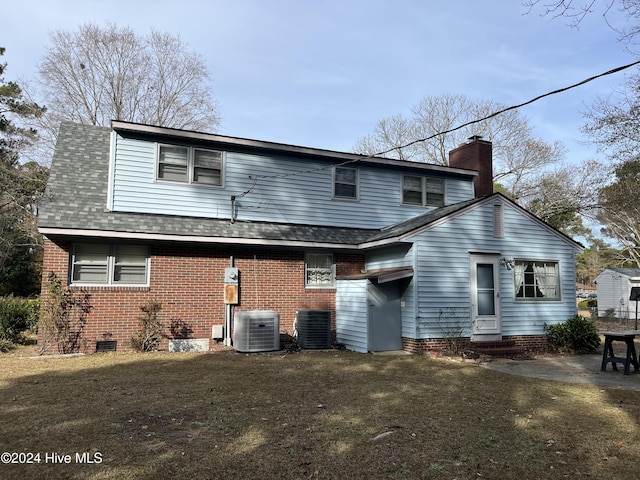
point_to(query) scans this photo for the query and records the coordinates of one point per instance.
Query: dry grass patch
(313, 415)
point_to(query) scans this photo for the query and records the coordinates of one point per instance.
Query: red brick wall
(188, 280)
(528, 342)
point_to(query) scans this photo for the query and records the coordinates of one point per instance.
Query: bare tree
(575, 11)
(98, 74)
(613, 123)
(517, 154)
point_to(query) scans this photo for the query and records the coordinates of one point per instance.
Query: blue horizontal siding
(443, 271)
(402, 255)
(352, 314)
(304, 198)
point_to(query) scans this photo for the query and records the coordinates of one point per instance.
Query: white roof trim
(283, 147)
(492, 198)
(192, 238)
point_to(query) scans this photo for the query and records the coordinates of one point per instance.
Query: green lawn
(314, 415)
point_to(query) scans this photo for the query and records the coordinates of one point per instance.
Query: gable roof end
(406, 229)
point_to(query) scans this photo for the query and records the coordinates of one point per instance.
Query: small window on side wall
(412, 190)
(319, 270)
(173, 163)
(207, 167)
(537, 280)
(104, 264)
(190, 165)
(345, 183)
(435, 192)
(418, 190)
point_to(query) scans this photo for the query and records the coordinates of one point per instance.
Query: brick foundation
(528, 342)
(188, 280)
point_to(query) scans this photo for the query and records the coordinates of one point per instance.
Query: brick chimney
(476, 154)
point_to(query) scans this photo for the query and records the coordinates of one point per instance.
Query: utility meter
(231, 275)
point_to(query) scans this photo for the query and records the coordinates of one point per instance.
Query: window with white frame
(319, 270)
(412, 190)
(434, 192)
(190, 165)
(537, 280)
(418, 190)
(345, 183)
(105, 264)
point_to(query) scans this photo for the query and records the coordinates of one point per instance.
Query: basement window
(109, 264)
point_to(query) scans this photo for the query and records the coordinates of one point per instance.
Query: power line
(444, 132)
(513, 107)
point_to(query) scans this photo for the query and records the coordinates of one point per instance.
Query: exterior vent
(256, 331)
(314, 328)
(106, 346)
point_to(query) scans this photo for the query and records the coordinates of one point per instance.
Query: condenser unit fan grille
(261, 332)
(256, 331)
(314, 328)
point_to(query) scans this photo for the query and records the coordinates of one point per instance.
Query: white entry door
(485, 294)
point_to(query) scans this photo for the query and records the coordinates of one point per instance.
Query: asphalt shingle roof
(627, 272)
(76, 199)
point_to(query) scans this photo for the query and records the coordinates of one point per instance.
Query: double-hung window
(412, 190)
(190, 165)
(345, 183)
(417, 190)
(537, 280)
(105, 264)
(319, 270)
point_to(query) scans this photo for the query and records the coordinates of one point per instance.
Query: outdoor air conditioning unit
(314, 328)
(256, 331)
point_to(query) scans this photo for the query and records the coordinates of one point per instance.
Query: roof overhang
(245, 143)
(159, 237)
(381, 275)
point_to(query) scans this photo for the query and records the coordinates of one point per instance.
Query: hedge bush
(17, 315)
(590, 303)
(577, 335)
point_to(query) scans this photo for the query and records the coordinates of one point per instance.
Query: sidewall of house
(188, 281)
(442, 272)
(306, 201)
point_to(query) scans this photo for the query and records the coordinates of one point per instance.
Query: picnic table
(608, 356)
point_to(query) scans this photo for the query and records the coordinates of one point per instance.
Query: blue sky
(322, 73)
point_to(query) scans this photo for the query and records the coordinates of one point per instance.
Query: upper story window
(105, 264)
(345, 183)
(418, 190)
(537, 280)
(319, 270)
(190, 165)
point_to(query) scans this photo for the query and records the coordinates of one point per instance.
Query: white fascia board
(192, 238)
(330, 155)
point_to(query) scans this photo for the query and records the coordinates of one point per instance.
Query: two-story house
(401, 253)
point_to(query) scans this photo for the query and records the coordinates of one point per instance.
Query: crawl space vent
(314, 328)
(256, 331)
(106, 346)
